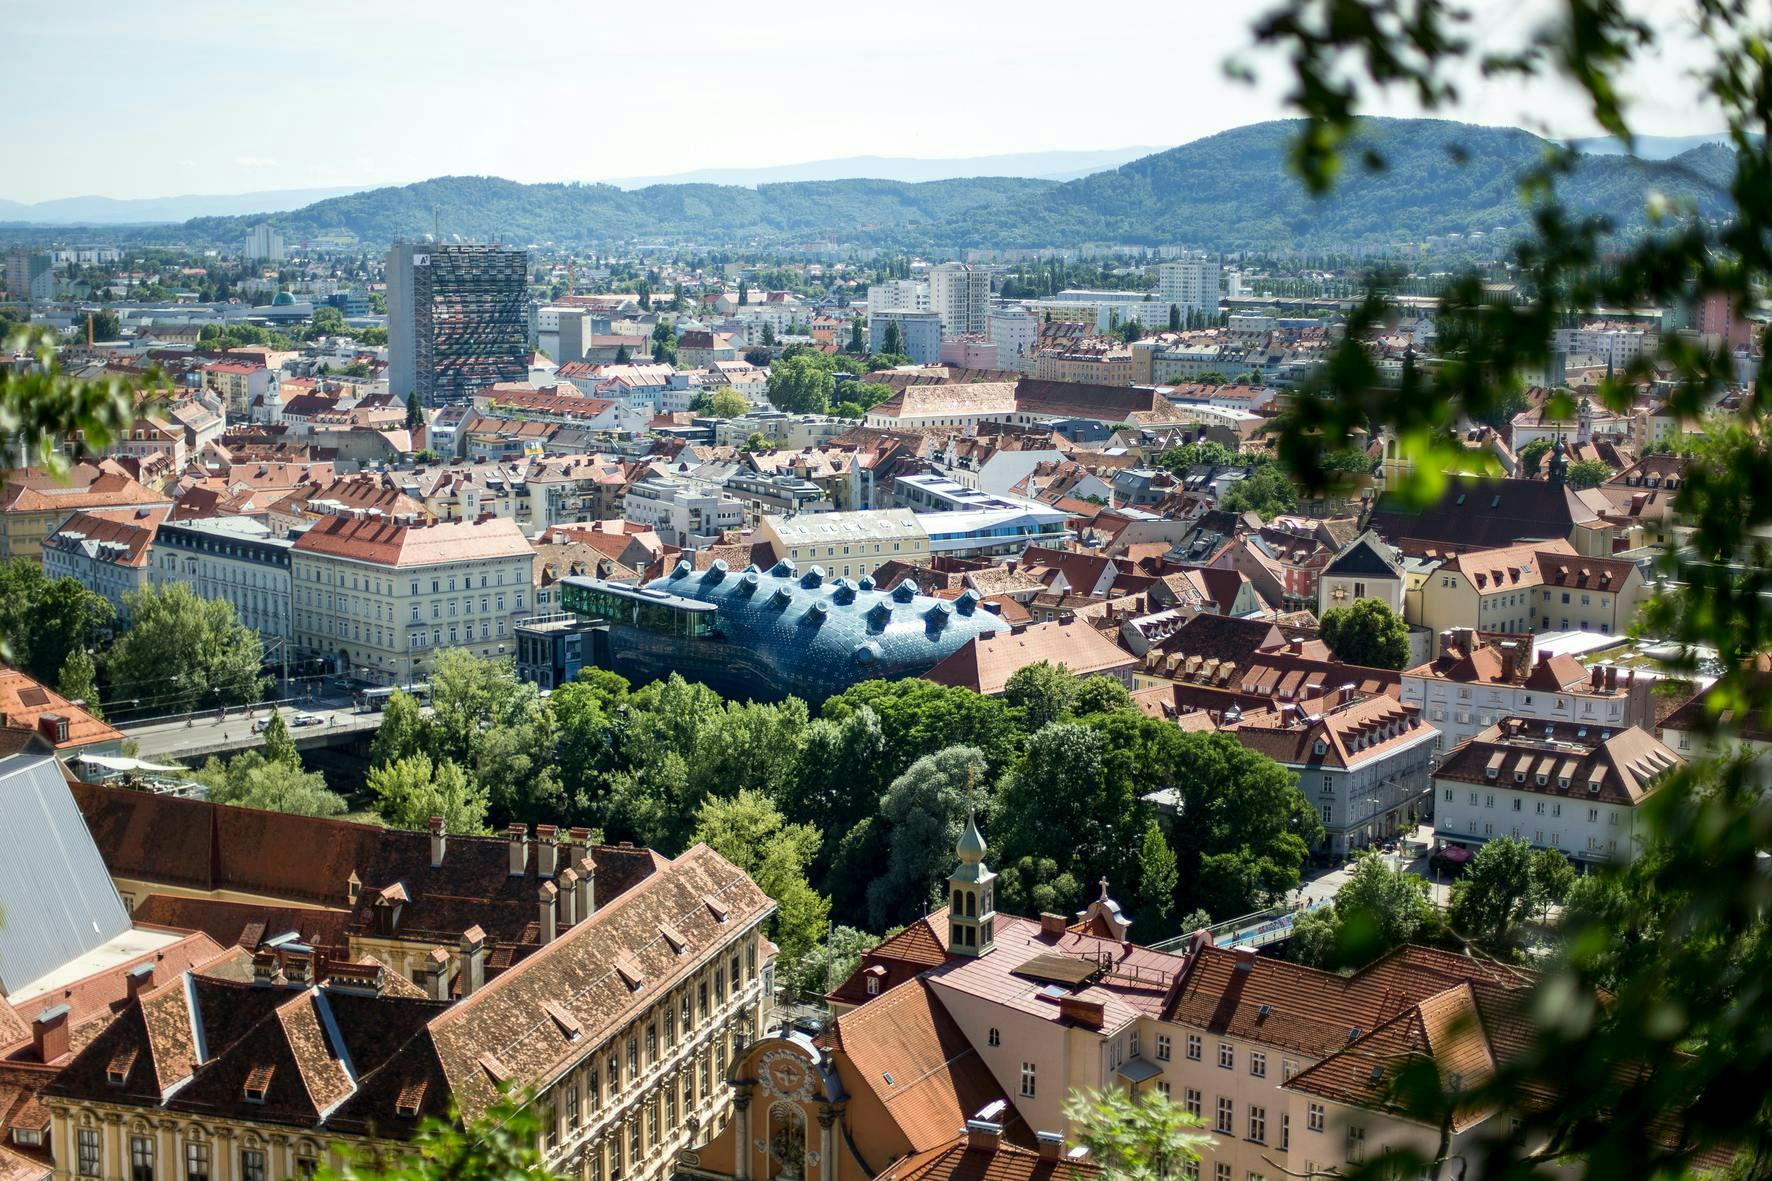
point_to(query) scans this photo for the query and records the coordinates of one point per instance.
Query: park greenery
(851, 816)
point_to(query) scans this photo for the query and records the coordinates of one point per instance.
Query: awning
(120, 765)
(1137, 1070)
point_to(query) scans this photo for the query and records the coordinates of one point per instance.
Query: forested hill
(483, 207)
(1233, 190)
(1228, 191)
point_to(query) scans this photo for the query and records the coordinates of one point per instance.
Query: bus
(373, 701)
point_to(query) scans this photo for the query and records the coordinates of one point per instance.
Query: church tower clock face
(786, 1075)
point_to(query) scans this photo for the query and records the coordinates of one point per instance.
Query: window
(1258, 1064)
(633, 1057)
(1191, 1101)
(701, 1001)
(1193, 1047)
(1190, 1170)
(572, 1105)
(1227, 1116)
(550, 1124)
(1027, 1080)
(141, 1158)
(252, 1165)
(1258, 1124)
(1356, 1144)
(1132, 1044)
(1162, 1047)
(1328, 814)
(305, 1164)
(196, 1161)
(1221, 1172)
(652, 1045)
(1285, 1131)
(1315, 1117)
(995, 1038)
(86, 1140)
(1227, 1056)
(593, 1089)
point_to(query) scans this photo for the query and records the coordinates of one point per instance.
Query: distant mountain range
(1227, 191)
(142, 210)
(916, 169)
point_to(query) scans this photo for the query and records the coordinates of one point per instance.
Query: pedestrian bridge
(1257, 929)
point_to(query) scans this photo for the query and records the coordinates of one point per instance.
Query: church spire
(971, 890)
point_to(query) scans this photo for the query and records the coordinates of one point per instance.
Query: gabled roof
(24, 701)
(912, 1055)
(1365, 556)
(985, 663)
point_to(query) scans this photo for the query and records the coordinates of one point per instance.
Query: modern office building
(30, 276)
(766, 635)
(959, 293)
(263, 244)
(458, 319)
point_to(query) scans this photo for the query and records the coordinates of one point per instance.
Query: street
(206, 734)
(1324, 883)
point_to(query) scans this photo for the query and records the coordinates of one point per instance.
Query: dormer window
(1593, 786)
(258, 1084)
(1492, 772)
(1320, 747)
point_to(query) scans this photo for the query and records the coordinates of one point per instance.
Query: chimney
(518, 834)
(578, 845)
(438, 841)
(473, 960)
(587, 888)
(357, 979)
(547, 849)
(139, 979)
(1510, 652)
(1245, 959)
(568, 883)
(545, 898)
(1611, 678)
(983, 1136)
(1052, 924)
(49, 1033)
(436, 971)
(1051, 1145)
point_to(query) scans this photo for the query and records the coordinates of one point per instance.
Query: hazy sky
(165, 97)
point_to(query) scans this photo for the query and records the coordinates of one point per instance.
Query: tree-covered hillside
(485, 207)
(1228, 191)
(1233, 190)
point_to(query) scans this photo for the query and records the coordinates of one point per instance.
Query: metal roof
(55, 892)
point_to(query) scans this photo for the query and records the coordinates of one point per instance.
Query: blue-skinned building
(767, 634)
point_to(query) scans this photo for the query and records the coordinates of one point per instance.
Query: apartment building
(1557, 785)
(106, 551)
(907, 294)
(380, 597)
(1363, 761)
(683, 515)
(34, 503)
(1014, 330)
(959, 293)
(1476, 680)
(920, 332)
(240, 384)
(846, 545)
(621, 1024)
(1192, 283)
(232, 558)
(1531, 587)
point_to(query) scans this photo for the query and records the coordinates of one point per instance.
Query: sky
(170, 97)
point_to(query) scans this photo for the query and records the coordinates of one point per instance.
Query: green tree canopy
(1368, 633)
(750, 831)
(1042, 691)
(183, 652)
(78, 682)
(923, 811)
(1532, 455)
(44, 620)
(279, 746)
(801, 384)
(412, 790)
(1267, 492)
(250, 780)
(1588, 473)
